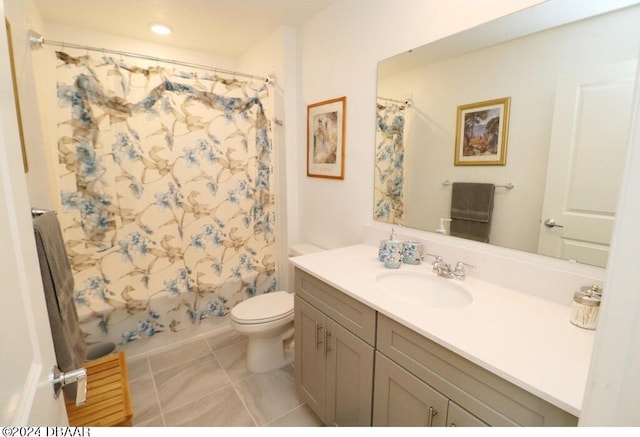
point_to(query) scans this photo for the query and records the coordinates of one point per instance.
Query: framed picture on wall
(325, 138)
(481, 133)
(25, 162)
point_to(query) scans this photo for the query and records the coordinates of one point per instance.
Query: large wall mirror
(569, 81)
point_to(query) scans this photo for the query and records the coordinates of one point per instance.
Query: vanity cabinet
(415, 382)
(334, 353)
(401, 399)
(473, 393)
(458, 416)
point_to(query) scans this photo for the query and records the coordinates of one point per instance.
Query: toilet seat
(263, 308)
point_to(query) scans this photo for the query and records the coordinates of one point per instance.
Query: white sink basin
(418, 288)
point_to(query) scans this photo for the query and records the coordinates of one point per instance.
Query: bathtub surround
(165, 185)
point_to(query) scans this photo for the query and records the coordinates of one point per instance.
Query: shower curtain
(165, 184)
(389, 163)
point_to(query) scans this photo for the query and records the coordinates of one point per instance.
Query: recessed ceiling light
(160, 29)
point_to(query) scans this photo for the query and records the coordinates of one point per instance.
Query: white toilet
(267, 320)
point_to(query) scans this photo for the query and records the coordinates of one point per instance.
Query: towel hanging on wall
(471, 210)
(58, 284)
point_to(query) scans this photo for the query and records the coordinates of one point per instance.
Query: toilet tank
(303, 249)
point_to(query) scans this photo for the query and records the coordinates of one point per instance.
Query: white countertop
(524, 339)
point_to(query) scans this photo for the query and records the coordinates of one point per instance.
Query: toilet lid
(263, 308)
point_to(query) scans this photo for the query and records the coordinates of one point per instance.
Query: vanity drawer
(482, 393)
(348, 312)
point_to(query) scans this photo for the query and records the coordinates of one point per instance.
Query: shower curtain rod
(408, 103)
(37, 41)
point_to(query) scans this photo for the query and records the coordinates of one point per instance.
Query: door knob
(62, 379)
(551, 223)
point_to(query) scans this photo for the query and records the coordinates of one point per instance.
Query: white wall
(340, 50)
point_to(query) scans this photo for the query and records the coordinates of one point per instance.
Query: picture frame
(326, 138)
(25, 162)
(481, 133)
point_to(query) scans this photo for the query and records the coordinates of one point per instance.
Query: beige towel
(57, 280)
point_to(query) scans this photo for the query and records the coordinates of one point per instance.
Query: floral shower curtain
(165, 181)
(389, 163)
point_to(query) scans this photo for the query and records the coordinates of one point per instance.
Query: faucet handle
(459, 272)
(437, 263)
(438, 258)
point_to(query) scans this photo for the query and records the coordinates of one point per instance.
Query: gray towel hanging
(57, 281)
(471, 210)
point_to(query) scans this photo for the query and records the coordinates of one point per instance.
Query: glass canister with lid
(586, 304)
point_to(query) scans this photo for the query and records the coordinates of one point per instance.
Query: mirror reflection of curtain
(164, 178)
(391, 123)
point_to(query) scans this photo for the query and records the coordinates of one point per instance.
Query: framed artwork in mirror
(325, 138)
(481, 133)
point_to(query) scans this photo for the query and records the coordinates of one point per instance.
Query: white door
(26, 348)
(589, 138)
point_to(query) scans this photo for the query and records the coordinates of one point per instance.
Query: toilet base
(265, 354)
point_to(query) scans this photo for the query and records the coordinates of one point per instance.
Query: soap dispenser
(390, 252)
(441, 229)
(383, 249)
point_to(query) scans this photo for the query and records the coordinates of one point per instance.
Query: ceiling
(220, 27)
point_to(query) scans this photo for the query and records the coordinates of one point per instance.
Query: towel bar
(35, 212)
(508, 186)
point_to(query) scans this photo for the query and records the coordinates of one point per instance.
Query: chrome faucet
(459, 272)
(443, 269)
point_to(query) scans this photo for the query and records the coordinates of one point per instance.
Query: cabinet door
(458, 416)
(349, 377)
(310, 363)
(401, 399)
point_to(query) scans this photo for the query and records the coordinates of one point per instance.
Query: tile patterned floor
(206, 383)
